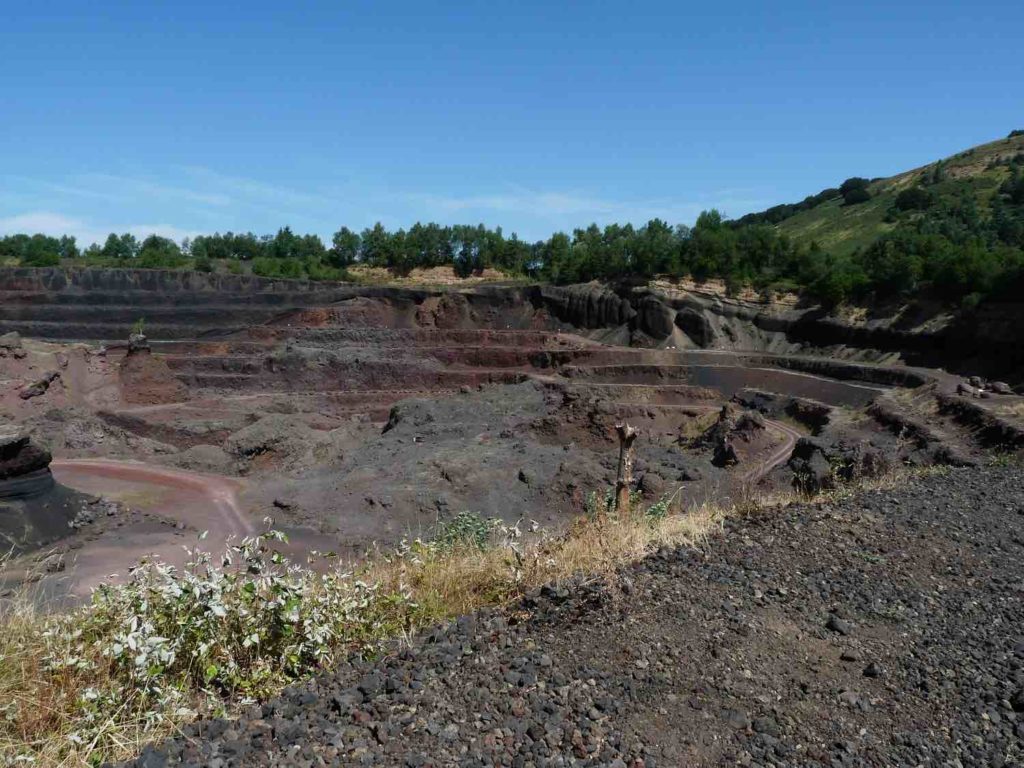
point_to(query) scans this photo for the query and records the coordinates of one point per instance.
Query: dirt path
(179, 486)
(188, 502)
(779, 455)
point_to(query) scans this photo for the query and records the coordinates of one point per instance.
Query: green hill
(840, 228)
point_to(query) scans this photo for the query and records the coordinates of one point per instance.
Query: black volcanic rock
(18, 455)
(34, 509)
(697, 326)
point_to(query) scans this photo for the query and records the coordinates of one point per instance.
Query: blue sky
(191, 117)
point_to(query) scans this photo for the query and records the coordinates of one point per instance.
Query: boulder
(749, 423)
(812, 470)
(1001, 388)
(21, 460)
(652, 485)
(34, 509)
(967, 390)
(137, 342)
(696, 325)
(655, 319)
(819, 465)
(725, 454)
(39, 386)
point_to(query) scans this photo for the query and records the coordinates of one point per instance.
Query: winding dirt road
(220, 493)
(193, 502)
(779, 455)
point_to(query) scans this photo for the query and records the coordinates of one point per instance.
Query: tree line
(941, 242)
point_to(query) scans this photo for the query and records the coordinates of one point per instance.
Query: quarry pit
(356, 416)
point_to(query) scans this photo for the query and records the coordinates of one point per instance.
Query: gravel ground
(884, 630)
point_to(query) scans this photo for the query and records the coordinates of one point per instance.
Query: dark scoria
(884, 629)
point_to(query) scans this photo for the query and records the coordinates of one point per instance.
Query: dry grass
(471, 578)
(41, 710)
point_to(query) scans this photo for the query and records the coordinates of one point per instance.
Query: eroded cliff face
(988, 340)
(103, 304)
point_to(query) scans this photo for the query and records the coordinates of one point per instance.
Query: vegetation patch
(145, 656)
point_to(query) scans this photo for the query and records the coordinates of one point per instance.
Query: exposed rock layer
(104, 304)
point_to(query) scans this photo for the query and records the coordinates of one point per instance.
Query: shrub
(914, 199)
(160, 253)
(466, 529)
(971, 301)
(856, 182)
(41, 259)
(168, 644)
(265, 266)
(856, 195)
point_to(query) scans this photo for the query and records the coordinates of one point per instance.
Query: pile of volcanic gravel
(886, 629)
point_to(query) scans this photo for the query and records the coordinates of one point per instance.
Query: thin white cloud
(572, 209)
(85, 232)
(258, 191)
(68, 189)
(39, 222)
(164, 230)
(136, 186)
(208, 201)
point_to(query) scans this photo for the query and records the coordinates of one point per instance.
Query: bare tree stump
(624, 479)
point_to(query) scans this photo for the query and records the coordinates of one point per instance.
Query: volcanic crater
(357, 415)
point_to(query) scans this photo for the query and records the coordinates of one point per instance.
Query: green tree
(158, 252)
(914, 199)
(344, 248)
(120, 248)
(68, 248)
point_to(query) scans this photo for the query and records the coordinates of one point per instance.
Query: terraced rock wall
(104, 304)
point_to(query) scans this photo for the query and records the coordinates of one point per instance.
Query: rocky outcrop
(19, 457)
(587, 306)
(812, 414)
(40, 386)
(819, 464)
(103, 304)
(34, 510)
(655, 318)
(146, 379)
(10, 344)
(734, 425)
(697, 326)
(990, 430)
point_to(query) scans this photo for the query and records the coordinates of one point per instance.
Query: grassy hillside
(841, 229)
